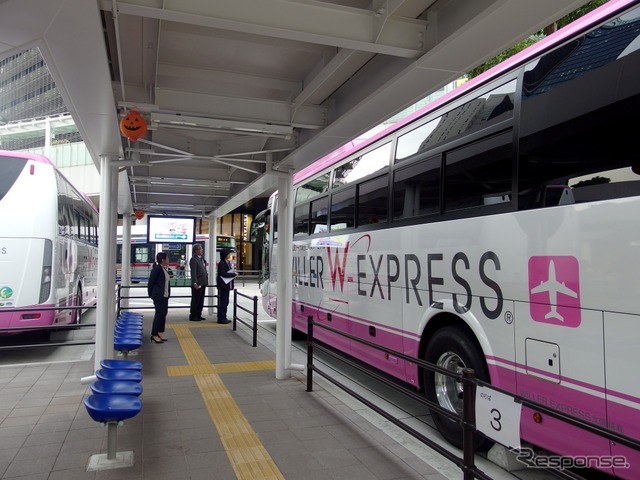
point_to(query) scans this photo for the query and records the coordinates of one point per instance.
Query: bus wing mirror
(258, 223)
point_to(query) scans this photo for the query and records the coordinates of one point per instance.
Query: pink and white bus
(48, 244)
(498, 228)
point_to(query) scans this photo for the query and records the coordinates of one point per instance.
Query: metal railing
(468, 418)
(120, 297)
(249, 275)
(254, 314)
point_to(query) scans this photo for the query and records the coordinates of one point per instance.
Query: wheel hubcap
(448, 389)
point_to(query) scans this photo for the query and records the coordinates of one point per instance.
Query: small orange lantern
(133, 125)
(138, 214)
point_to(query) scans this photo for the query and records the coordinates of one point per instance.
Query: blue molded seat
(127, 337)
(122, 364)
(119, 374)
(127, 331)
(129, 326)
(112, 408)
(126, 344)
(129, 321)
(130, 315)
(116, 387)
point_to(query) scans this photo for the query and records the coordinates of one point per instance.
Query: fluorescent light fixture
(220, 124)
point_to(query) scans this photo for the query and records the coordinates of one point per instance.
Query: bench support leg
(112, 459)
(112, 437)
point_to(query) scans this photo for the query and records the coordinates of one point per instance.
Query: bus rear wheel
(454, 349)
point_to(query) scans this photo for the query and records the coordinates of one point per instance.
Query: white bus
(143, 253)
(498, 228)
(48, 244)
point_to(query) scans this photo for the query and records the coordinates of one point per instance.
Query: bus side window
(301, 221)
(479, 170)
(416, 189)
(343, 209)
(319, 210)
(373, 199)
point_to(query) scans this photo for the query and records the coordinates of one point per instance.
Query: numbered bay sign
(498, 416)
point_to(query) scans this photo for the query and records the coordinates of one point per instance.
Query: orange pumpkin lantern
(139, 214)
(133, 125)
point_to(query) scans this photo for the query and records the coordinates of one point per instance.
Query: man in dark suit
(199, 281)
(224, 282)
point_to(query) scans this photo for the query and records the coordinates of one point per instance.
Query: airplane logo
(554, 290)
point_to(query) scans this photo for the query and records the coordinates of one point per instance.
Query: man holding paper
(224, 281)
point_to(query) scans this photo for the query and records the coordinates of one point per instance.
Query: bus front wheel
(454, 349)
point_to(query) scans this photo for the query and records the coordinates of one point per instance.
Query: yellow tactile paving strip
(246, 453)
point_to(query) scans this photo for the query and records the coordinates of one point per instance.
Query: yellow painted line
(248, 457)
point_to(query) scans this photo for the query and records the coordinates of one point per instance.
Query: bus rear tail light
(30, 316)
(45, 283)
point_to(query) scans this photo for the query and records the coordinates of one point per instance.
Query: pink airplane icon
(554, 290)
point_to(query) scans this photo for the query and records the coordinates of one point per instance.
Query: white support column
(125, 272)
(105, 282)
(284, 280)
(113, 235)
(212, 258)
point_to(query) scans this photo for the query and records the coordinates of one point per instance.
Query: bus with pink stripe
(48, 245)
(497, 228)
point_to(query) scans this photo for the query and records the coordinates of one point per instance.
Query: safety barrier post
(255, 321)
(235, 308)
(118, 296)
(309, 354)
(468, 422)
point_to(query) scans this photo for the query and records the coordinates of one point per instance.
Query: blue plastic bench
(116, 387)
(126, 344)
(127, 331)
(133, 320)
(121, 364)
(119, 374)
(110, 410)
(131, 316)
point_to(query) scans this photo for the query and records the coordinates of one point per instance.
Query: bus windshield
(11, 169)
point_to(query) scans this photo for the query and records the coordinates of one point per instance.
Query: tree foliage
(567, 19)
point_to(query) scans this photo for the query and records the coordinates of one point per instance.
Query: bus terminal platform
(211, 409)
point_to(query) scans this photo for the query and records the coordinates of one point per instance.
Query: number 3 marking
(495, 422)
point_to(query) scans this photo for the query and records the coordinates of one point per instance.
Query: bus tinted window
(570, 111)
(313, 188)
(360, 167)
(343, 209)
(373, 198)
(416, 189)
(319, 210)
(482, 111)
(11, 168)
(301, 220)
(479, 174)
